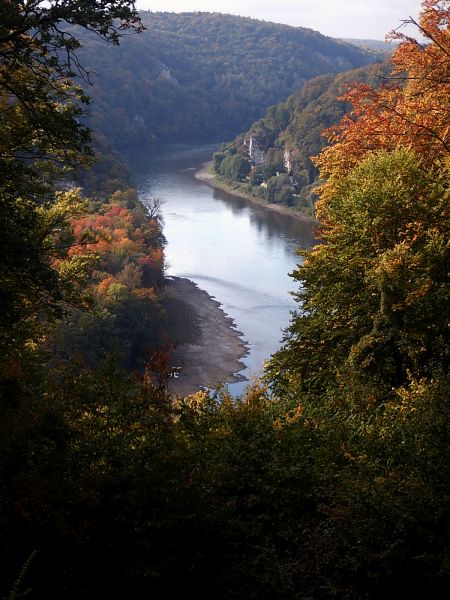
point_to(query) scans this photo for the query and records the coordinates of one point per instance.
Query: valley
(224, 341)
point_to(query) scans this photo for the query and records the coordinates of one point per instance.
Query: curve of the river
(238, 252)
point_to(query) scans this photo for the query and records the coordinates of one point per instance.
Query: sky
(364, 19)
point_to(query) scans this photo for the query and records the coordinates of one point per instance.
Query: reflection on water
(238, 252)
(271, 224)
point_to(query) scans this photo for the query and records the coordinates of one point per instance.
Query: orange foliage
(132, 256)
(154, 260)
(412, 109)
(124, 247)
(145, 294)
(103, 286)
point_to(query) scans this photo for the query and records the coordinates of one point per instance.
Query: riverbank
(204, 174)
(209, 349)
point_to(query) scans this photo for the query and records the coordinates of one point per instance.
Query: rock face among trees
(280, 146)
(203, 76)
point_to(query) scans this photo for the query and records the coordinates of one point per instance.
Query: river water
(238, 252)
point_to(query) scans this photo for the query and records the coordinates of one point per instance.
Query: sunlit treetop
(410, 109)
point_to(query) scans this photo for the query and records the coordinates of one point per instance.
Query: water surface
(240, 253)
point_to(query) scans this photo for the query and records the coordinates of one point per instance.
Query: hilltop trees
(202, 76)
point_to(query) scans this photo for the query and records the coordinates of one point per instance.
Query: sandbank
(208, 348)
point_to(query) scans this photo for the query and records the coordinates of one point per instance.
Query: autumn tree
(42, 138)
(378, 214)
(366, 356)
(410, 110)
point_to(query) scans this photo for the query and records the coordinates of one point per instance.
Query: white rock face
(287, 162)
(255, 152)
(340, 61)
(166, 75)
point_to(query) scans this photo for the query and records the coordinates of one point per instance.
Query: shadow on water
(273, 224)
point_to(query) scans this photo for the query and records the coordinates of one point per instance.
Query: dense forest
(273, 159)
(330, 477)
(203, 76)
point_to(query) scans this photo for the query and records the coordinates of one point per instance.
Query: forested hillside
(272, 159)
(203, 76)
(377, 45)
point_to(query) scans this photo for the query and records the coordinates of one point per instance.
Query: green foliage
(290, 133)
(48, 270)
(280, 189)
(42, 139)
(274, 162)
(366, 359)
(200, 75)
(234, 168)
(106, 174)
(121, 246)
(254, 496)
(331, 483)
(373, 297)
(256, 175)
(181, 494)
(218, 157)
(366, 356)
(33, 237)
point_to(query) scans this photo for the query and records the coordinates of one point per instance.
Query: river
(238, 252)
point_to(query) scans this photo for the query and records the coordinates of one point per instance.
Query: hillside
(376, 45)
(202, 75)
(272, 159)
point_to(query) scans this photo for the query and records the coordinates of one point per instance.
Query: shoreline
(203, 174)
(209, 348)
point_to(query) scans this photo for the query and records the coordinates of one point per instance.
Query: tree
(235, 167)
(42, 138)
(37, 59)
(381, 230)
(217, 160)
(256, 176)
(280, 189)
(372, 296)
(410, 110)
(365, 358)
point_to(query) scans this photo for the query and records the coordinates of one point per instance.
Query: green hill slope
(202, 75)
(274, 154)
